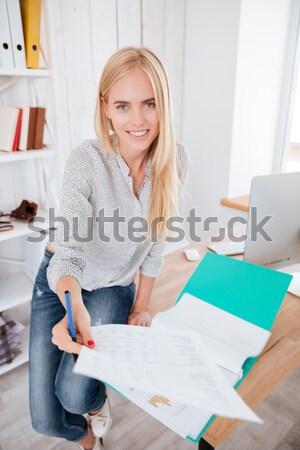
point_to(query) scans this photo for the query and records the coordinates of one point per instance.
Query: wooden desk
(241, 203)
(280, 356)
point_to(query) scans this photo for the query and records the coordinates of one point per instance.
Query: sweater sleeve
(75, 209)
(153, 261)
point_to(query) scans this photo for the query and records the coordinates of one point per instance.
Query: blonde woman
(118, 192)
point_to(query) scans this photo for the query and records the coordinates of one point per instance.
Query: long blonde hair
(164, 170)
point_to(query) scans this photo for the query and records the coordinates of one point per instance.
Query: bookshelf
(25, 155)
(23, 357)
(25, 72)
(34, 87)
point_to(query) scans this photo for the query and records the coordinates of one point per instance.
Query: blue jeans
(58, 397)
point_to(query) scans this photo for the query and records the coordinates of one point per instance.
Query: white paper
(173, 364)
(203, 416)
(177, 416)
(229, 339)
(185, 420)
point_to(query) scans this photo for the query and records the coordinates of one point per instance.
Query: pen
(71, 320)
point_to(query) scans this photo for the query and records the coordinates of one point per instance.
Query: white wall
(263, 38)
(295, 128)
(209, 82)
(234, 65)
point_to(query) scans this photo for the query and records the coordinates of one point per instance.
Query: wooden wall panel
(129, 22)
(79, 68)
(104, 34)
(60, 78)
(174, 29)
(153, 32)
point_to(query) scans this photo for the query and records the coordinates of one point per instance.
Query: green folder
(251, 292)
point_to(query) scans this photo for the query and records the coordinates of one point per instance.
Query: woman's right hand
(61, 334)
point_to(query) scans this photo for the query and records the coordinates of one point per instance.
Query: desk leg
(203, 445)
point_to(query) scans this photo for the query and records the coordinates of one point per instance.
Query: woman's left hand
(139, 318)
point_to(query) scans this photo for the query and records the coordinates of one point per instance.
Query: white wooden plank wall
(87, 33)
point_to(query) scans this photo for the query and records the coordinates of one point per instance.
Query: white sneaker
(101, 422)
(97, 445)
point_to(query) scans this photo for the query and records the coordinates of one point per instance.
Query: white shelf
(24, 155)
(21, 228)
(23, 357)
(14, 291)
(24, 72)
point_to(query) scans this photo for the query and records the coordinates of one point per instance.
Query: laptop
(273, 229)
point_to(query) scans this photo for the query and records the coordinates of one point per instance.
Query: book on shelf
(31, 127)
(21, 128)
(23, 142)
(39, 128)
(18, 129)
(8, 125)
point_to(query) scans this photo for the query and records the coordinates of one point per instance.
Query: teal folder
(251, 292)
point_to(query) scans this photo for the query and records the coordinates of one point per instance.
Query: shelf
(6, 72)
(25, 155)
(15, 290)
(21, 228)
(23, 357)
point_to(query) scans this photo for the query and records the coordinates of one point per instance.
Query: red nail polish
(91, 343)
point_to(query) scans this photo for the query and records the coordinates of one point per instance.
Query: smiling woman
(136, 168)
(134, 96)
(133, 119)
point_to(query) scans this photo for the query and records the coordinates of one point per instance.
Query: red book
(17, 133)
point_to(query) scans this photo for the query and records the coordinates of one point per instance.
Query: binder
(6, 52)
(16, 32)
(31, 18)
(251, 292)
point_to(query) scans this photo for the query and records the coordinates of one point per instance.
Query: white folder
(6, 52)
(16, 32)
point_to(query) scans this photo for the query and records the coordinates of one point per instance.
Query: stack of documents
(162, 370)
(182, 370)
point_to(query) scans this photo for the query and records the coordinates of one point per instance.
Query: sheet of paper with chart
(229, 339)
(173, 364)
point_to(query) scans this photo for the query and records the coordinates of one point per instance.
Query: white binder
(6, 53)
(16, 32)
